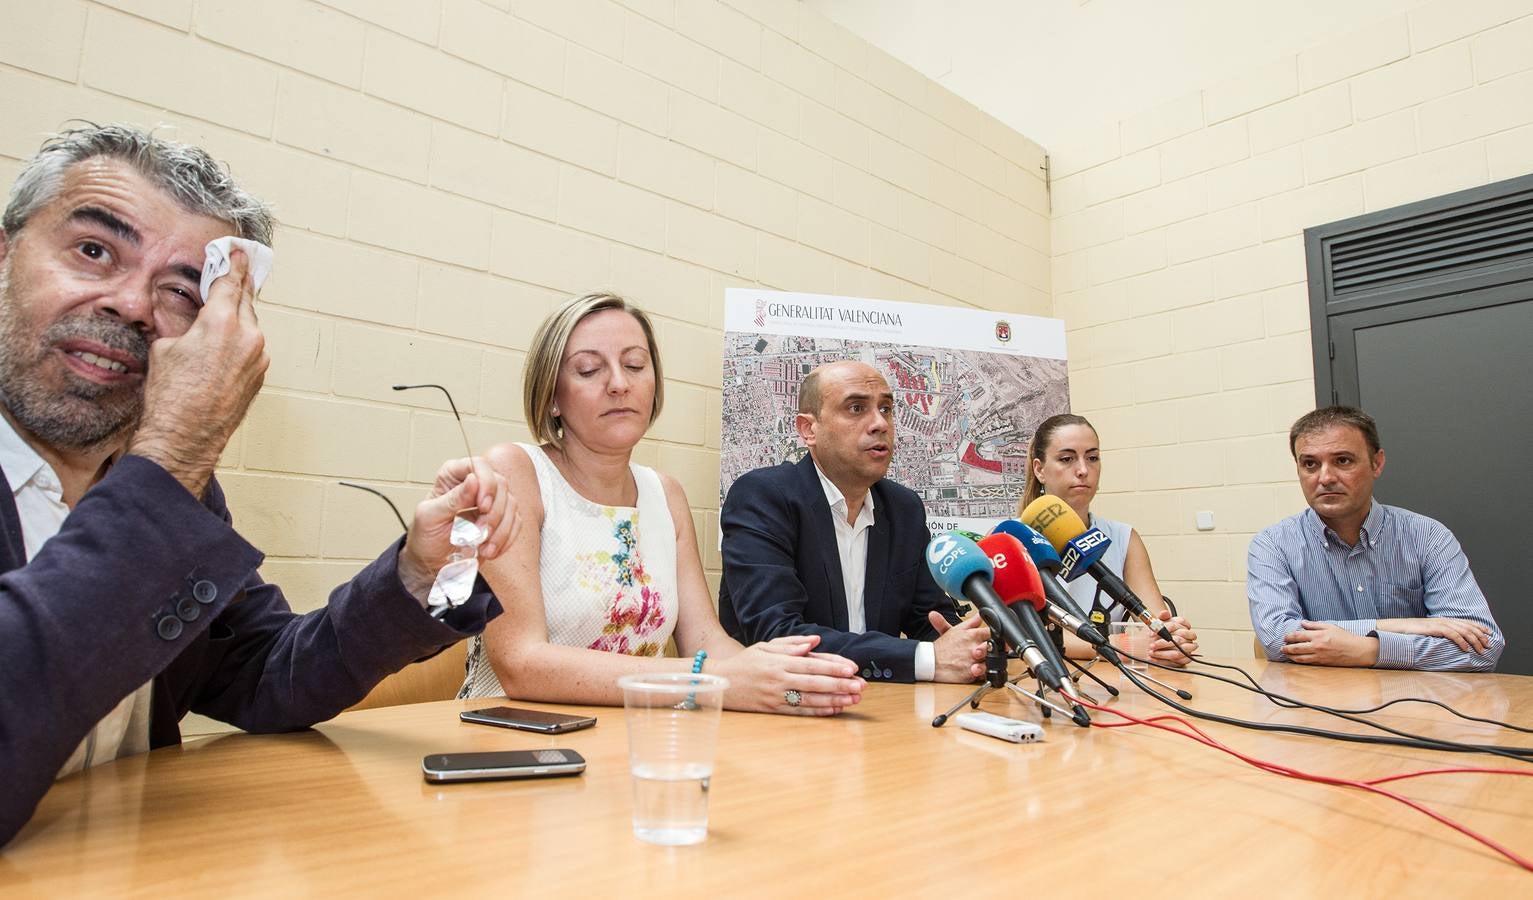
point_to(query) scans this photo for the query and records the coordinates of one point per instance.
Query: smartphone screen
(502, 764)
(527, 719)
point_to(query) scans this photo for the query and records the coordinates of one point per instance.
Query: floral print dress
(608, 572)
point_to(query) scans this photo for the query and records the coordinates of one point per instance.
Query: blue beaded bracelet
(697, 668)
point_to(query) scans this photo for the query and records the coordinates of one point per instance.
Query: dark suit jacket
(144, 582)
(782, 570)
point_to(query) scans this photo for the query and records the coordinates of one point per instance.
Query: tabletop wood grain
(872, 802)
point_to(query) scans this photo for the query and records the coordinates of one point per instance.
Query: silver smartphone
(527, 719)
(439, 767)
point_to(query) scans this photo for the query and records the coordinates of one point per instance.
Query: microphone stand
(1086, 671)
(1043, 702)
(1123, 667)
(995, 679)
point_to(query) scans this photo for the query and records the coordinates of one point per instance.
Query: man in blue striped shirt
(1352, 582)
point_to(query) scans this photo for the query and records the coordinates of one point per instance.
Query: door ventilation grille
(1458, 244)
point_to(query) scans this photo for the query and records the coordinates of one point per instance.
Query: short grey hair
(198, 182)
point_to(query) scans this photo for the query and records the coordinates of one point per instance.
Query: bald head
(811, 393)
(846, 419)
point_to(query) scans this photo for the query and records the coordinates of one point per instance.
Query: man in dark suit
(127, 598)
(829, 546)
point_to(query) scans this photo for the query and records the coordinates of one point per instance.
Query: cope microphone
(1080, 551)
(963, 571)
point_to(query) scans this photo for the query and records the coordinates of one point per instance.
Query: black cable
(1291, 703)
(1405, 739)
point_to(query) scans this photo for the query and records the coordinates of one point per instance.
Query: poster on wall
(970, 387)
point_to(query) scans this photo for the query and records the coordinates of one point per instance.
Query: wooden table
(872, 803)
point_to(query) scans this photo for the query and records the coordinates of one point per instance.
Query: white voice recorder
(1014, 730)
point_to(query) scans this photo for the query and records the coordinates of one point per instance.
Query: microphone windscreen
(1037, 546)
(1016, 578)
(952, 559)
(1054, 519)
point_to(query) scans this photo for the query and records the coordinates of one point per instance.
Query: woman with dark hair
(1065, 460)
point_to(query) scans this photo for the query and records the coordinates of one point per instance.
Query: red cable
(1370, 785)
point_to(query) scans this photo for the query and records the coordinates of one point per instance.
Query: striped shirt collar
(1368, 536)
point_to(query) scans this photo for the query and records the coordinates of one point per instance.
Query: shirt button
(205, 592)
(187, 609)
(1359, 589)
(169, 627)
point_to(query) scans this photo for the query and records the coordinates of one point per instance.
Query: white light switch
(1205, 520)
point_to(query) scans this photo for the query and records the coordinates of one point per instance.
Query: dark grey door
(1450, 388)
(1423, 316)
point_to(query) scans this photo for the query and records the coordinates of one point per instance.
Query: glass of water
(673, 728)
(1133, 637)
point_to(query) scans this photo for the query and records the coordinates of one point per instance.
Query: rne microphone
(963, 571)
(1021, 589)
(1018, 583)
(1080, 551)
(1045, 559)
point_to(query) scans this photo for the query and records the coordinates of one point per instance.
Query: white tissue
(216, 263)
(455, 581)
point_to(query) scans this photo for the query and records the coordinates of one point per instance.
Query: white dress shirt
(852, 546)
(39, 497)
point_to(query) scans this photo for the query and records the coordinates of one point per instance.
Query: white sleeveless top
(608, 572)
(1084, 588)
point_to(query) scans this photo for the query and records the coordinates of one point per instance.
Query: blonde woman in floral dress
(614, 573)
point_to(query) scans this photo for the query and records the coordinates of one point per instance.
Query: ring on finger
(792, 697)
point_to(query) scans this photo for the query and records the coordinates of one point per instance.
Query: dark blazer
(144, 582)
(782, 570)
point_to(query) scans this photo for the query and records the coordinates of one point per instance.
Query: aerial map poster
(970, 386)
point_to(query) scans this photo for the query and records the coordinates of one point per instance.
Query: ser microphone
(1080, 551)
(963, 571)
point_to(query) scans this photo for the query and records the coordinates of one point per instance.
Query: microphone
(1058, 605)
(1080, 551)
(1062, 607)
(962, 570)
(1020, 587)
(1045, 559)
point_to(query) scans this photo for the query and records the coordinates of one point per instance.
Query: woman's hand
(1163, 651)
(761, 675)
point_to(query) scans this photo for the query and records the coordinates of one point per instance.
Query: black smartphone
(439, 767)
(527, 719)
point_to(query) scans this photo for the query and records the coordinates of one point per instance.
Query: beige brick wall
(1179, 265)
(447, 170)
